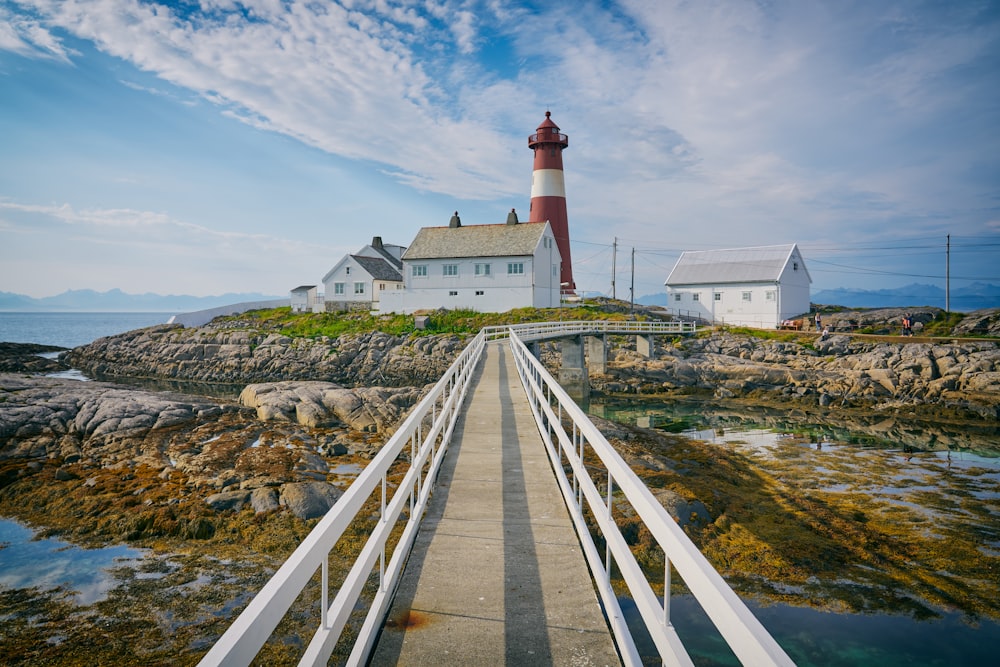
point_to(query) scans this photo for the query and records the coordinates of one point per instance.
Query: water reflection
(719, 423)
(49, 564)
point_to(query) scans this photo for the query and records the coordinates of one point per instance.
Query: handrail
(539, 330)
(248, 633)
(554, 410)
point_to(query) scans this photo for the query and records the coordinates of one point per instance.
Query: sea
(71, 330)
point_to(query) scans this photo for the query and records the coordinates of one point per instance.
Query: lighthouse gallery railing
(427, 432)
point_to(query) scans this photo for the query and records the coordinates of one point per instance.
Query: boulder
(309, 500)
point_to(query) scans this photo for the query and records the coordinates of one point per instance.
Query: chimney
(377, 242)
(512, 217)
(455, 221)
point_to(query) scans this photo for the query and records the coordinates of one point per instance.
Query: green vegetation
(942, 324)
(332, 325)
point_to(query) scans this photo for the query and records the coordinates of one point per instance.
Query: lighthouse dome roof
(548, 122)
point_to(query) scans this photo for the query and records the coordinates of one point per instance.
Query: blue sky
(224, 146)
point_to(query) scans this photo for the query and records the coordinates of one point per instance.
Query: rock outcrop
(961, 375)
(239, 357)
(275, 455)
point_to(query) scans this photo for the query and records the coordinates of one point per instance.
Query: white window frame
(484, 270)
(515, 268)
(359, 288)
(418, 270)
(747, 297)
(449, 270)
(770, 295)
(338, 288)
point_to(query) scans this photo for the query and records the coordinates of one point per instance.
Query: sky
(216, 146)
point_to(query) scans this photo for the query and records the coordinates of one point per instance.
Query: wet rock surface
(26, 358)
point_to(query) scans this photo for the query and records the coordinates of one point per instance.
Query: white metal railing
(427, 444)
(538, 330)
(555, 411)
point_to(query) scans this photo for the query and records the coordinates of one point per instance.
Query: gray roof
(476, 241)
(736, 265)
(389, 257)
(378, 268)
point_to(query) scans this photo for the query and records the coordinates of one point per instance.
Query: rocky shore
(948, 377)
(225, 488)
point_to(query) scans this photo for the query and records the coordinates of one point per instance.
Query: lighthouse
(548, 190)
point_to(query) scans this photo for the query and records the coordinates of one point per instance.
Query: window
(483, 269)
(717, 296)
(479, 292)
(696, 296)
(555, 270)
(359, 288)
(746, 296)
(515, 268)
(452, 293)
(677, 296)
(795, 266)
(338, 288)
(381, 285)
(769, 295)
(348, 271)
(419, 270)
(449, 269)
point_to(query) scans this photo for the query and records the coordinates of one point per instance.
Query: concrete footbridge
(491, 535)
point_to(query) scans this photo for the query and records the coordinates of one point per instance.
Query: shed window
(696, 296)
(746, 296)
(717, 296)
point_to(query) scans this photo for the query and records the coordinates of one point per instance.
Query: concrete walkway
(497, 575)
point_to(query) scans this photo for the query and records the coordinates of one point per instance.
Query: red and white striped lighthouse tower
(548, 190)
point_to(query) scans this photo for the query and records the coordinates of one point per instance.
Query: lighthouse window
(419, 270)
(449, 269)
(515, 268)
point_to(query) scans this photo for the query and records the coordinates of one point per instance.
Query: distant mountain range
(963, 299)
(116, 301)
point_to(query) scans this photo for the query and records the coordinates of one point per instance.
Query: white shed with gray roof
(758, 287)
(487, 268)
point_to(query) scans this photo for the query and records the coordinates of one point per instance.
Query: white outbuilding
(756, 287)
(487, 268)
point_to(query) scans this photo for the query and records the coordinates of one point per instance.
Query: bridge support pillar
(645, 345)
(573, 372)
(597, 354)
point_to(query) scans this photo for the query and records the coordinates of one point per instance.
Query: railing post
(325, 601)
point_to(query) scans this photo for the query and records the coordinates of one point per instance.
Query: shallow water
(890, 461)
(49, 564)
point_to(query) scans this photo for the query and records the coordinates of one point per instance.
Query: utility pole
(947, 276)
(614, 256)
(631, 290)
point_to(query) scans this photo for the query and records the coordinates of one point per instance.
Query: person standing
(819, 322)
(907, 325)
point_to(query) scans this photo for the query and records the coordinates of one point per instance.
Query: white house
(757, 287)
(487, 268)
(360, 280)
(303, 298)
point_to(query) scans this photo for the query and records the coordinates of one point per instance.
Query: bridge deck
(496, 575)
